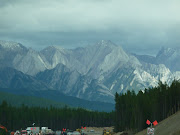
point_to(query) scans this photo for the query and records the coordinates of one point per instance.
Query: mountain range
(93, 73)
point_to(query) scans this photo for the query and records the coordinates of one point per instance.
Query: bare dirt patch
(169, 126)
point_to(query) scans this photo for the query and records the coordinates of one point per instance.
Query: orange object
(155, 123)
(3, 127)
(148, 122)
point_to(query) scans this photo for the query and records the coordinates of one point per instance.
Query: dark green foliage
(15, 118)
(3, 132)
(132, 111)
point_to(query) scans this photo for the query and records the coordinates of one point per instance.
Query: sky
(139, 26)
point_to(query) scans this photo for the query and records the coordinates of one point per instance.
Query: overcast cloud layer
(130, 23)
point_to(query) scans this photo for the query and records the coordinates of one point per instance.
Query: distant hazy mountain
(146, 58)
(53, 97)
(169, 57)
(95, 72)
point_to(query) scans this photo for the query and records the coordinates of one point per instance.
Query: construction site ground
(169, 126)
(97, 130)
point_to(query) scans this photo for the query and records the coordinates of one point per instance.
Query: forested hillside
(132, 111)
(15, 118)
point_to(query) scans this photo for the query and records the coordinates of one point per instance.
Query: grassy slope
(169, 126)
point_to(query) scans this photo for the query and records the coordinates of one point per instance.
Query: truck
(43, 130)
(106, 132)
(33, 130)
(46, 131)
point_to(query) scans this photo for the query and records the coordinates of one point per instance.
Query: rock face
(74, 84)
(95, 72)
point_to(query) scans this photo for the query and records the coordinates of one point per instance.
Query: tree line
(157, 103)
(16, 118)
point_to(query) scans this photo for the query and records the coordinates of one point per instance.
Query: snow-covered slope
(11, 45)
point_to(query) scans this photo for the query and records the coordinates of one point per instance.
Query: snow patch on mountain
(144, 78)
(176, 75)
(42, 61)
(131, 83)
(9, 45)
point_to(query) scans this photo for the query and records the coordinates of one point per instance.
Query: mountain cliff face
(95, 72)
(74, 84)
(30, 63)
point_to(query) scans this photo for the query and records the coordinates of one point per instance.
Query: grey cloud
(82, 15)
(132, 24)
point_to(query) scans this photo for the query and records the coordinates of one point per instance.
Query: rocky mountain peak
(106, 43)
(13, 46)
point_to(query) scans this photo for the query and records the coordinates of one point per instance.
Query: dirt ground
(169, 126)
(99, 131)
